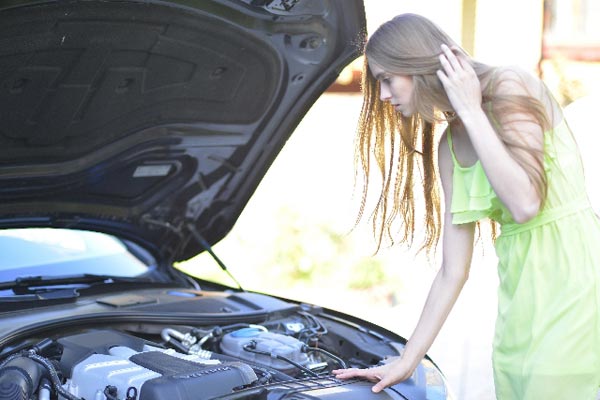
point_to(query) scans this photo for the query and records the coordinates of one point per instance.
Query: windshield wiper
(39, 284)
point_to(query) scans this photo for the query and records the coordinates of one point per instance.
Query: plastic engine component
(156, 374)
(274, 344)
(181, 380)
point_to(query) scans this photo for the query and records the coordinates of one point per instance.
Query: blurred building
(570, 59)
(557, 39)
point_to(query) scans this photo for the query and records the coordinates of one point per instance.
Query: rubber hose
(19, 379)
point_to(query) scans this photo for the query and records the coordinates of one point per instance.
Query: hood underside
(156, 120)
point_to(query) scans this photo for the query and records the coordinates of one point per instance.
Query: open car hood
(156, 120)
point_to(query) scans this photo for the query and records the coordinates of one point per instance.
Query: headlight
(436, 385)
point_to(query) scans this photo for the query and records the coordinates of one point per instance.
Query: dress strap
(451, 146)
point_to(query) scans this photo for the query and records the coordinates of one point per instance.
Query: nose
(384, 92)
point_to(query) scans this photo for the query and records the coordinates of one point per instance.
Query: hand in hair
(460, 82)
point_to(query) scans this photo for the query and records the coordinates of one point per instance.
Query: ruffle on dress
(473, 198)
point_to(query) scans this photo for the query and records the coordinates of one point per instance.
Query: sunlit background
(295, 237)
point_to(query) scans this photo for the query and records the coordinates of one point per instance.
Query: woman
(506, 154)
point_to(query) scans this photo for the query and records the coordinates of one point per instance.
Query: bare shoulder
(518, 122)
(515, 80)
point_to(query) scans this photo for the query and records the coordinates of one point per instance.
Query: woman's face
(397, 89)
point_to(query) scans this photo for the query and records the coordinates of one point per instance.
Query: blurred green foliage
(302, 252)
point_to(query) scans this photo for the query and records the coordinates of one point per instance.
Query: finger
(443, 78)
(446, 66)
(338, 371)
(451, 69)
(382, 384)
(378, 387)
(347, 373)
(358, 373)
(467, 66)
(451, 57)
(463, 59)
(342, 370)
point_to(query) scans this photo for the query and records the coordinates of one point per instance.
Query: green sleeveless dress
(547, 339)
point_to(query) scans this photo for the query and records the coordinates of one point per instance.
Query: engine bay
(144, 355)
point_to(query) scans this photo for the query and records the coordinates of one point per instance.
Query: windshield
(62, 252)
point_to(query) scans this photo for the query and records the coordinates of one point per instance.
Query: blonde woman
(508, 155)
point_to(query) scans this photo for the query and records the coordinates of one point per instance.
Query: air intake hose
(19, 378)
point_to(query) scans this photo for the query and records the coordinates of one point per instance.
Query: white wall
(509, 32)
(447, 13)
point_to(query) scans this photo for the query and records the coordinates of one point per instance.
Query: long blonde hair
(401, 147)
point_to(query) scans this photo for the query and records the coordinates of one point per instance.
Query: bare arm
(447, 285)
(457, 247)
(507, 177)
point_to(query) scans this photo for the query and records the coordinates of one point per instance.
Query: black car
(132, 135)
